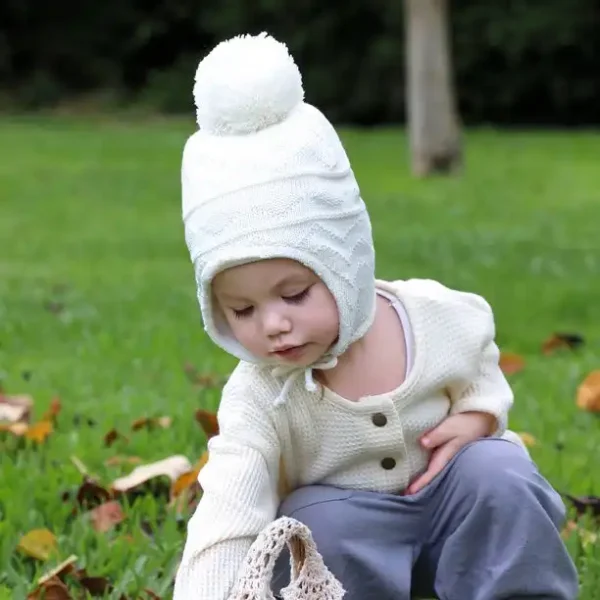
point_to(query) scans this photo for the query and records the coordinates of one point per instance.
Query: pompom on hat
(266, 176)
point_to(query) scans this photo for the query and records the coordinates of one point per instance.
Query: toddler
(374, 412)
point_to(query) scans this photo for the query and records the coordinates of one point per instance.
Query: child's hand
(448, 438)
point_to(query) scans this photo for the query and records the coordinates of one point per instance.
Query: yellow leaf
(588, 393)
(528, 439)
(39, 431)
(189, 478)
(38, 543)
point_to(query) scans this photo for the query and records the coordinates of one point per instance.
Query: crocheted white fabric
(266, 176)
(310, 578)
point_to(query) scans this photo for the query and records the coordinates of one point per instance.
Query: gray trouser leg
(487, 528)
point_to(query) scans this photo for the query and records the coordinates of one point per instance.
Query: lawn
(98, 310)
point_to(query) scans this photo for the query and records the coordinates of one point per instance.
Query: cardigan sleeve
(239, 484)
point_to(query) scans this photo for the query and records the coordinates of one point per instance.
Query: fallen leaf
(585, 504)
(38, 543)
(65, 567)
(568, 529)
(588, 538)
(91, 494)
(208, 422)
(39, 431)
(15, 409)
(588, 393)
(106, 516)
(53, 410)
(171, 467)
(150, 422)
(203, 380)
(188, 479)
(122, 460)
(527, 439)
(557, 341)
(112, 436)
(511, 363)
(17, 429)
(52, 589)
(96, 586)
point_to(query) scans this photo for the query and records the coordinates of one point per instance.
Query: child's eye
(297, 298)
(243, 313)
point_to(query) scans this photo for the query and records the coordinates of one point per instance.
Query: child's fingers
(439, 459)
(439, 435)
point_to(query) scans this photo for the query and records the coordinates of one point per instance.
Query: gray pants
(486, 528)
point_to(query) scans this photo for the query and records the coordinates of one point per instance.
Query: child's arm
(239, 498)
(488, 391)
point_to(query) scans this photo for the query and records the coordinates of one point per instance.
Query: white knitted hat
(266, 176)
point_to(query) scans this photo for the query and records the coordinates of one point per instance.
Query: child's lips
(290, 352)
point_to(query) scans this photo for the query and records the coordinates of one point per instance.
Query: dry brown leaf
(208, 421)
(112, 436)
(14, 409)
(203, 380)
(558, 341)
(38, 543)
(511, 363)
(171, 467)
(91, 494)
(122, 460)
(106, 516)
(38, 432)
(150, 422)
(588, 393)
(190, 478)
(53, 410)
(52, 589)
(96, 586)
(65, 567)
(527, 439)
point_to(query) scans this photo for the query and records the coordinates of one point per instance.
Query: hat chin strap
(292, 373)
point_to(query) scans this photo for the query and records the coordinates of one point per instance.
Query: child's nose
(275, 323)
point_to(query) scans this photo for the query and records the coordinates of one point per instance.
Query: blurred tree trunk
(433, 122)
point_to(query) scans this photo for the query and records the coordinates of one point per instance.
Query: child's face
(278, 310)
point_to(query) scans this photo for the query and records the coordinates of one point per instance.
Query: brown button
(388, 463)
(379, 419)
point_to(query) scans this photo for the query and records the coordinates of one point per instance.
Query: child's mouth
(291, 353)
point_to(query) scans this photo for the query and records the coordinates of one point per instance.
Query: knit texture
(266, 176)
(310, 578)
(321, 437)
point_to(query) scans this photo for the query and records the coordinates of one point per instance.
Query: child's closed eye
(242, 313)
(297, 298)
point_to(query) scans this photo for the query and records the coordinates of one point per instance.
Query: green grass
(90, 216)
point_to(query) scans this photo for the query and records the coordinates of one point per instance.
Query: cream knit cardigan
(321, 437)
